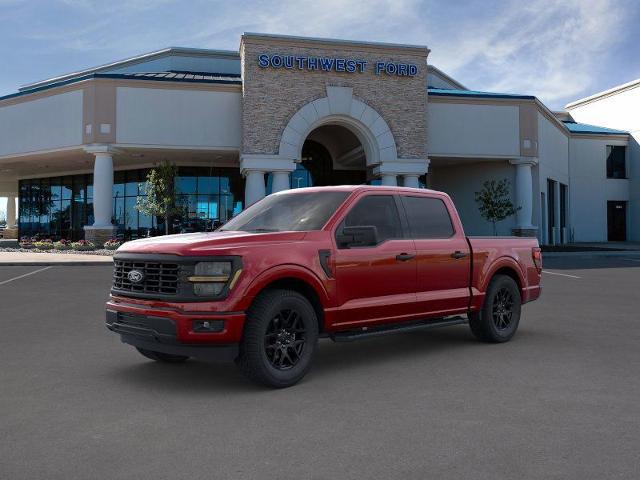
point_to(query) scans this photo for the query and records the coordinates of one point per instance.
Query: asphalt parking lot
(559, 401)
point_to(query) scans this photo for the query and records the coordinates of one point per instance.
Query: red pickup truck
(345, 263)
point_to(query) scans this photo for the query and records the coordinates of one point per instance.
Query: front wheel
(280, 338)
(498, 319)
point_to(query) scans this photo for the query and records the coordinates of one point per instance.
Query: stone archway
(339, 107)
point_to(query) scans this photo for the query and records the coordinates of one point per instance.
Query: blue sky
(557, 50)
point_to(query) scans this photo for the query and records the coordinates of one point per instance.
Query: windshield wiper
(260, 230)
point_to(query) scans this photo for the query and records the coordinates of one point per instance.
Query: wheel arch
(509, 267)
(289, 277)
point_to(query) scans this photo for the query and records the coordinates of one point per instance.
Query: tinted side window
(379, 211)
(428, 217)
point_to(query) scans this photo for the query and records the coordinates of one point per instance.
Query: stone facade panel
(271, 96)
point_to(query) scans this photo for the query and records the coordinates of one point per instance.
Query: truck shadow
(331, 359)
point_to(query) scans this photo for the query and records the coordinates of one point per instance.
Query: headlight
(210, 278)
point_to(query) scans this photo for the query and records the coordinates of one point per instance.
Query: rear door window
(428, 217)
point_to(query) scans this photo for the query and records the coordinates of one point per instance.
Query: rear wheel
(280, 337)
(162, 357)
(498, 319)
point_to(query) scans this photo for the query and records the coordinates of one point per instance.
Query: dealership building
(288, 112)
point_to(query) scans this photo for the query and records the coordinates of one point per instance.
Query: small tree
(494, 202)
(161, 199)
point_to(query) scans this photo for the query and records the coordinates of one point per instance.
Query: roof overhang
(145, 57)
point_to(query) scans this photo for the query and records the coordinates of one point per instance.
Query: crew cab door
(375, 282)
(443, 255)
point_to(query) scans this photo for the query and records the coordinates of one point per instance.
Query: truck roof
(356, 188)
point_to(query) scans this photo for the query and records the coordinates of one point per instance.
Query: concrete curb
(616, 253)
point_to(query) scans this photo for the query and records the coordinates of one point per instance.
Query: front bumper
(162, 327)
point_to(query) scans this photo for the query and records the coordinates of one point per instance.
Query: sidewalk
(36, 259)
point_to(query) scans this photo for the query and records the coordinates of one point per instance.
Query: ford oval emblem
(135, 276)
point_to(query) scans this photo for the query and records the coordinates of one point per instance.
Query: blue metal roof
(575, 127)
(444, 92)
(188, 77)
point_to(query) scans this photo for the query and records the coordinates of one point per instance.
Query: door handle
(458, 254)
(403, 257)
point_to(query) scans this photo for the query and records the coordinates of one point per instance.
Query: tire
(498, 319)
(162, 357)
(280, 339)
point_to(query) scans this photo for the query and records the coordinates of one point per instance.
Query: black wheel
(498, 319)
(280, 337)
(162, 357)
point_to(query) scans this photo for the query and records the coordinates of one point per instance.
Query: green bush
(43, 244)
(62, 245)
(83, 245)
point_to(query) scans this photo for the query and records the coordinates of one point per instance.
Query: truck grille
(158, 277)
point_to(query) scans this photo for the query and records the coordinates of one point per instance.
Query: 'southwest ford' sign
(332, 64)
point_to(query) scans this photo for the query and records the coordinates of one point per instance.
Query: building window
(60, 207)
(616, 161)
(209, 197)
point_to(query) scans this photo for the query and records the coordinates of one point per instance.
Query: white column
(254, 187)
(280, 181)
(103, 189)
(389, 180)
(524, 192)
(411, 181)
(11, 212)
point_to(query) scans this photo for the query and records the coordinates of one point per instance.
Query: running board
(378, 331)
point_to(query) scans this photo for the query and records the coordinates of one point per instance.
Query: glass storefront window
(60, 207)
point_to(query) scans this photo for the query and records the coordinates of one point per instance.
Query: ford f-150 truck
(344, 262)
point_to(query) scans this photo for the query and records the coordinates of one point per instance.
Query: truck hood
(205, 242)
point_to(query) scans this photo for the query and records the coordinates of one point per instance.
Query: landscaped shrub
(62, 245)
(112, 244)
(45, 244)
(26, 242)
(83, 245)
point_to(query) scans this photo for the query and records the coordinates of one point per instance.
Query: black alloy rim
(285, 339)
(503, 309)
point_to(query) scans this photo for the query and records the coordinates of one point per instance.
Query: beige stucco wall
(460, 129)
(178, 117)
(272, 96)
(50, 122)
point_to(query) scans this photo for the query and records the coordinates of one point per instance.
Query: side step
(378, 331)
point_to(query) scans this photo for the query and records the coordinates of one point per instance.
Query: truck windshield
(288, 212)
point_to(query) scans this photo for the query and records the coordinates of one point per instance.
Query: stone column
(102, 228)
(524, 196)
(254, 165)
(411, 181)
(280, 181)
(11, 232)
(409, 169)
(389, 180)
(11, 211)
(254, 187)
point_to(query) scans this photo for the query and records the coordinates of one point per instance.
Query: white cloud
(548, 48)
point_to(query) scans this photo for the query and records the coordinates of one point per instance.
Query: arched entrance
(333, 155)
(324, 129)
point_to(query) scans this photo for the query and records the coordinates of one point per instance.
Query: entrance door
(551, 211)
(375, 282)
(617, 221)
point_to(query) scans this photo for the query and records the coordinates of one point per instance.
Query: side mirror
(360, 236)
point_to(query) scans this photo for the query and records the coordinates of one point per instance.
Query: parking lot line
(25, 275)
(561, 274)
